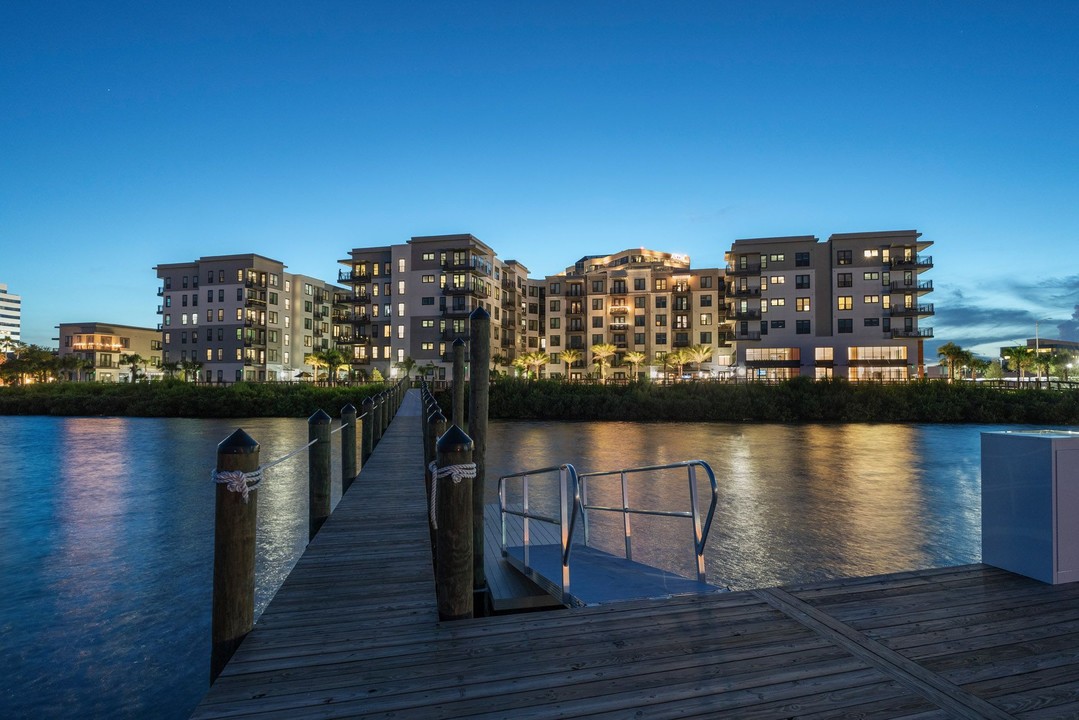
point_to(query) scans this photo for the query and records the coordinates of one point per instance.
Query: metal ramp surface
(599, 577)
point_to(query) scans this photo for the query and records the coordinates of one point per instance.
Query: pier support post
(384, 411)
(366, 426)
(234, 552)
(436, 428)
(318, 458)
(453, 511)
(458, 418)
(478, 402)
(348, 446)
(376, 417)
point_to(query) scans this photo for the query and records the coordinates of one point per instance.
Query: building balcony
(746, 314)
(351, 276)
(363, 299)
(159, 310)
(618, 326)
(681, 343)
(899, 286)
(360, 361)
(919, 262)
(619, 309)
(575, 310)
(451, 290)
(160, 292)
(747, 335)
(924, 310)
(160, 327)
(743, 292)
(341, 316)
(360, 319)
(903, 334)
(254, 302)
(254, 284)
(749, 269)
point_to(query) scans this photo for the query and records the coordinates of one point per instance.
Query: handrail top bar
(555, 468)
(635, 511)
(646, 468)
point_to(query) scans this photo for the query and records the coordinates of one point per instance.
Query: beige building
(847, 307)
(414, 299)
(102, 345)
(639, 301)
(242, 317)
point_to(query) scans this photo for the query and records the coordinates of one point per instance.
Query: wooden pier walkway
(354, 632)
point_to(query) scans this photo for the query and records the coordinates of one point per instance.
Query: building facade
(639, 301)
(412, 300)
(10, 315)
(242, 317)
(848, 307)
(103, 347)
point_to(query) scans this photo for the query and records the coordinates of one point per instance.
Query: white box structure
(1030, 503)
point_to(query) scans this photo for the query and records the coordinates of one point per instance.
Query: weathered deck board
(354, 633)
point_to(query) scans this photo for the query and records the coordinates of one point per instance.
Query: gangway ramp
(556, 553)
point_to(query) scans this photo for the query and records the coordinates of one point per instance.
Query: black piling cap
(368, 402)
(319, 418)
(348, 409)
(436, 416)
(479, 314)
(454, 440)
(238, 443)
(459, 341)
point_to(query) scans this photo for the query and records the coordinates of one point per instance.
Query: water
(106, 534)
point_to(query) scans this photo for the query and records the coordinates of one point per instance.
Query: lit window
(845, 302)
(801, 304)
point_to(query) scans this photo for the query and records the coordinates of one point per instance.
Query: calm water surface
(106, 534)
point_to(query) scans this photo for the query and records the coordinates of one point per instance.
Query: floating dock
(354, 632)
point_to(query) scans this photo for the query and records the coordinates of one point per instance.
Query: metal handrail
(569, 506)
(700, 535)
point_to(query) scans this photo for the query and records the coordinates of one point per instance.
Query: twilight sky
(136, 133)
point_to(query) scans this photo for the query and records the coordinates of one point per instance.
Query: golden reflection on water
(796, 502)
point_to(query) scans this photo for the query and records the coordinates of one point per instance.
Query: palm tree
(1018, 357)
(496, 360)
(170, 368)
(330, 358)
(699, 354)
(636, 359)
(570, 356)
(537, 360)
(191, 370)
(519, 363)
(600, 354)
(950, 355)
(978, 366)
(407, 364)
(134, 360)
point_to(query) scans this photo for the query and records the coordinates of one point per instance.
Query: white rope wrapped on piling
(464, 471)
(237, 480)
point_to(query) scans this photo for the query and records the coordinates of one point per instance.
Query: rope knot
(238, 481)
(464, 471)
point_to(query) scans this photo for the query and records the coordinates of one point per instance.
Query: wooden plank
(933, 687)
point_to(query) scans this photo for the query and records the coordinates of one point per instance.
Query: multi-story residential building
(104, 345)
(414, 299)
(848, 307)
(639, 301)
(10, 315)
(242, 317)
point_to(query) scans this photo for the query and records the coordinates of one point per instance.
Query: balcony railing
(919, 287)
(360, 319)
(901, 333)
(923, 262)
(743, 292)
(351, 276)
(746, 314)
(160, 291)
(923, 310)
(749, 269)
(159, 311)
(747, 335)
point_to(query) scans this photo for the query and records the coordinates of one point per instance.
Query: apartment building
(242, 317)
(10, 315)
(847, 307)
(639, 301)
(103, 346)
(414, 299)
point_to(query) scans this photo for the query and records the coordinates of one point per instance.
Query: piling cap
(459, 341)
(368, 402)
(348, 409)
(479, 314)
(454, 440)
(436, 416)
(238, 443)
(319, 418)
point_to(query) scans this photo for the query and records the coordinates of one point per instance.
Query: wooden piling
(233, 612)
(376, 419)
(458, 383)
(366, 426)
(478, 402)
(453, 510)
(348, 446)
(436, 428)
(318, 458)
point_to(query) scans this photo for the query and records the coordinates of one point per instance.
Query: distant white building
(10, 315)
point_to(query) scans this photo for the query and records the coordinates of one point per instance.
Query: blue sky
(139, 133)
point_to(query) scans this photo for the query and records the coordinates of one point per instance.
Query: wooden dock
(354, 632)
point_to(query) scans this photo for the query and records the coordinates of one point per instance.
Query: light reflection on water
(796, 502)
(106, 552)
(106, 535)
